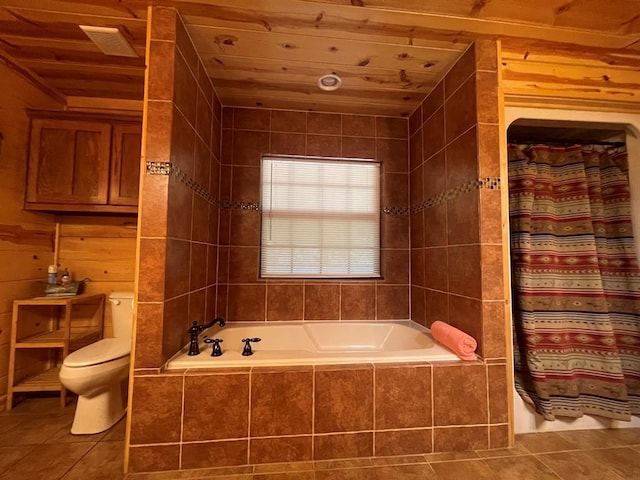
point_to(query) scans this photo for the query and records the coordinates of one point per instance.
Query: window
(320, 218)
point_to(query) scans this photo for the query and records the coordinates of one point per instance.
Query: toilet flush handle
(114, 301)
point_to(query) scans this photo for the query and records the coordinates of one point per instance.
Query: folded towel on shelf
(456, 340)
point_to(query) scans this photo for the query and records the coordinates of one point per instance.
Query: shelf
(70, 207)
(42, 340)
(55, 339)
(58, 300)
(48, 380)
(44, 331)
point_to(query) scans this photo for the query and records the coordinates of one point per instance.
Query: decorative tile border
(397, 210)
(240, 205)
(158, 168)
(491, 183)
(167, 168)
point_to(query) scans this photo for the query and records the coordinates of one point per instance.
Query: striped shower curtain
(575, 281)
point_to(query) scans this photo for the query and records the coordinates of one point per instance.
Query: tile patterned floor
(35, 444)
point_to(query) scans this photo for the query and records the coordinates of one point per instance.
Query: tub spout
(195, 330)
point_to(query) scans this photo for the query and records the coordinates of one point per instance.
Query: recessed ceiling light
(329, 82)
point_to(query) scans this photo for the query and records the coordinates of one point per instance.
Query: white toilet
(97, 372)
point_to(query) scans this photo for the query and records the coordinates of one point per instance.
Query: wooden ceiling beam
(32, 77)
(611, 16)
(30, 23)
(112, 90)
(271, 15)
(559, 53)
(43, 50)
(100, 8)
(53, 43)
(48, 67)
(95, 104)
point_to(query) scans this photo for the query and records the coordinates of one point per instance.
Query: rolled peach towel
(456, 340)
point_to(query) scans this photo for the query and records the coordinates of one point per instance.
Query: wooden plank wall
(26, 238)
(101, 248)
(536, 74)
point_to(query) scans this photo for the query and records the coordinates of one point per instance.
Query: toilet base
(99, 412)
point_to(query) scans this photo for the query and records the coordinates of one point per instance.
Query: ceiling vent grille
(109, 40)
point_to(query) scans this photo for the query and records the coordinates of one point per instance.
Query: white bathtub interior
(525, 418)
(340, 336)
(316, 343)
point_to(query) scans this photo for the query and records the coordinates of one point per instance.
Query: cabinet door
(125, 164)
(69, 161)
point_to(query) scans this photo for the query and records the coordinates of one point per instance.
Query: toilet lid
(99, 352)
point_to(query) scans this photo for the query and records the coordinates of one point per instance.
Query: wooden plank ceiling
(389, 53)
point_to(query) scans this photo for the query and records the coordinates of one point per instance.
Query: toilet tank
(122, 314)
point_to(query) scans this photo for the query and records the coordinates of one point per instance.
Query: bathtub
(316, 343)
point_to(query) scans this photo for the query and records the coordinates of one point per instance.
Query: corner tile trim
(491, 183)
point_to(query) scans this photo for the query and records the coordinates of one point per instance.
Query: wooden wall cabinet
(43, 332)
(125, 164)
(83, 164)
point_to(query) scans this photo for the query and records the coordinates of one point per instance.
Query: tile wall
(249, 133)
(223, 417)
(178, 227)
(207, 418)
(456, 241)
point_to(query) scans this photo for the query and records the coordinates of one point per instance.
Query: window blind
(320, 218)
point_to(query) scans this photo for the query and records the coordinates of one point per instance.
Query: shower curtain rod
(561, 142)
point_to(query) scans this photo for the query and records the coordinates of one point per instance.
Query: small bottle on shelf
(52, 274)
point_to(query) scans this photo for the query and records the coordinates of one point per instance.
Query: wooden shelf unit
(49, 380)
(44, 331)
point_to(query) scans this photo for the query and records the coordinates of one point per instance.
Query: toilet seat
(99, 352)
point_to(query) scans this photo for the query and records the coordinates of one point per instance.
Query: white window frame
(326, 261)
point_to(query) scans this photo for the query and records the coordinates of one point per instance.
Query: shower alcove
(546, 126)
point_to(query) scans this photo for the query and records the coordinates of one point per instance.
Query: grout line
(184, 380)
(373, 406)
(433, 427)
(488, 398)
(547, 465)
(313, 412)
(250, 379)
(77, 462)
(304, 302)
(340, 285)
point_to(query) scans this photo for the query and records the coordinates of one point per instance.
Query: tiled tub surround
(457, 239)
(178, 225)
(206, 418)
(315, 343)
(247, 134)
